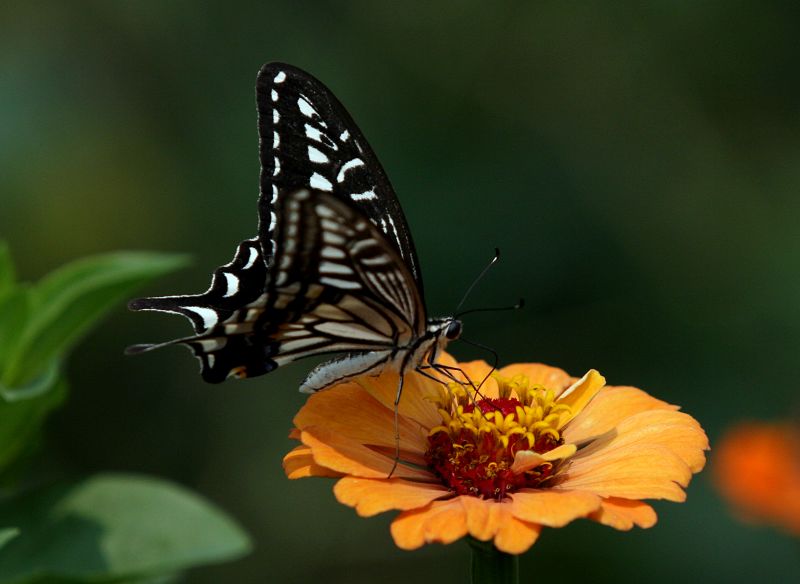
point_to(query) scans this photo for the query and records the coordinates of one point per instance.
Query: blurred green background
(638, 166)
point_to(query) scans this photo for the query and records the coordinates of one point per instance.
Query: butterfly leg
(397, 425)
(447, 370)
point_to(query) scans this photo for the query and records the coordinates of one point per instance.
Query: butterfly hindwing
(336, 286)
(329, 251)
(308, 140)
(234, 285)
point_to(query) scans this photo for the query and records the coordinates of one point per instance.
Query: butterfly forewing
(308, 140)
(333, 268)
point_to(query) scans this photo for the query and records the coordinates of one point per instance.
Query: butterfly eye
(453, 330)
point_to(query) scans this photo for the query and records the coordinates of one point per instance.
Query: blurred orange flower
(534, 448)
(757, 468)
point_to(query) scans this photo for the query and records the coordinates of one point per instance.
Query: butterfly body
(333, 269)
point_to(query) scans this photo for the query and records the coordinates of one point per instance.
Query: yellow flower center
(474, 448)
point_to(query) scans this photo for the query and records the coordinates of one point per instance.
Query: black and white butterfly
(333, 269)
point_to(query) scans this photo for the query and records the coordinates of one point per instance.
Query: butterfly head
(444, 330)
(452, 329)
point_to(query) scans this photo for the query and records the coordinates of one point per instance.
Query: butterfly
(333, 269)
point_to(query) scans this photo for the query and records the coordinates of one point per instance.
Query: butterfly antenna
(492, 262)
(495, 358)
(520, 304)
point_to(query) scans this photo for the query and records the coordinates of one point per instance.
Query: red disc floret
(479, 463)
(504, 405)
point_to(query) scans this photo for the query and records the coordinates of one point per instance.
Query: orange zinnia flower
(534, 448)
(757, 468)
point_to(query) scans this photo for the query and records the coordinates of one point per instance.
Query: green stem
(490, 565)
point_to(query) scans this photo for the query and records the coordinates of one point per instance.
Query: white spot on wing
(275, 116)
(276, 139)
(380, 260)
(251, 259)
(338, 283)
(326, 212)
(364, 244)
(212, 344)
(332, 238)
(274, 95)
(232, 282)
(329, 225)
(332, 268)
(277, 167)
(280, 77)
(317, 156)
(352, 331)
(208, 316)
(318, 181)
(297, 333)
(305, 107)
(344, 136)
(332, 253)
(274, 193)
(350, 164)
(313, 133)
(365, 196)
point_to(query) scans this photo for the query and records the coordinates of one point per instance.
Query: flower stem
(490, 565)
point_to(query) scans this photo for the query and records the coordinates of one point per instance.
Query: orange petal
(441, 522)
(623, 514)
(477, 372)
(446, 358)
(550, 377)
(671, 429)
(553, 507)
(349, 410)
(299, 463)
(516, 536)
(415, 400)
(578, 395)
(373, 496)
(609, 408)
(484, 517)
(447, 521)
(635, 472)
(339, 453)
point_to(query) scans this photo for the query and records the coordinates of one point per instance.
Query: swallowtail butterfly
(333, 268)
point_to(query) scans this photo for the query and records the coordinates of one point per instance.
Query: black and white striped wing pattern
(334, 267)
(308, 140)
(338, 287)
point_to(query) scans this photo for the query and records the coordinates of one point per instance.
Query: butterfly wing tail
(222, 356)
(234, 285)
(223, 318)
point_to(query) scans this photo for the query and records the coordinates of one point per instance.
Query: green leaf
(114, 527)
(14, 310)
(21, 421)
(7, 534)
(7, 274)
(64, 304)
